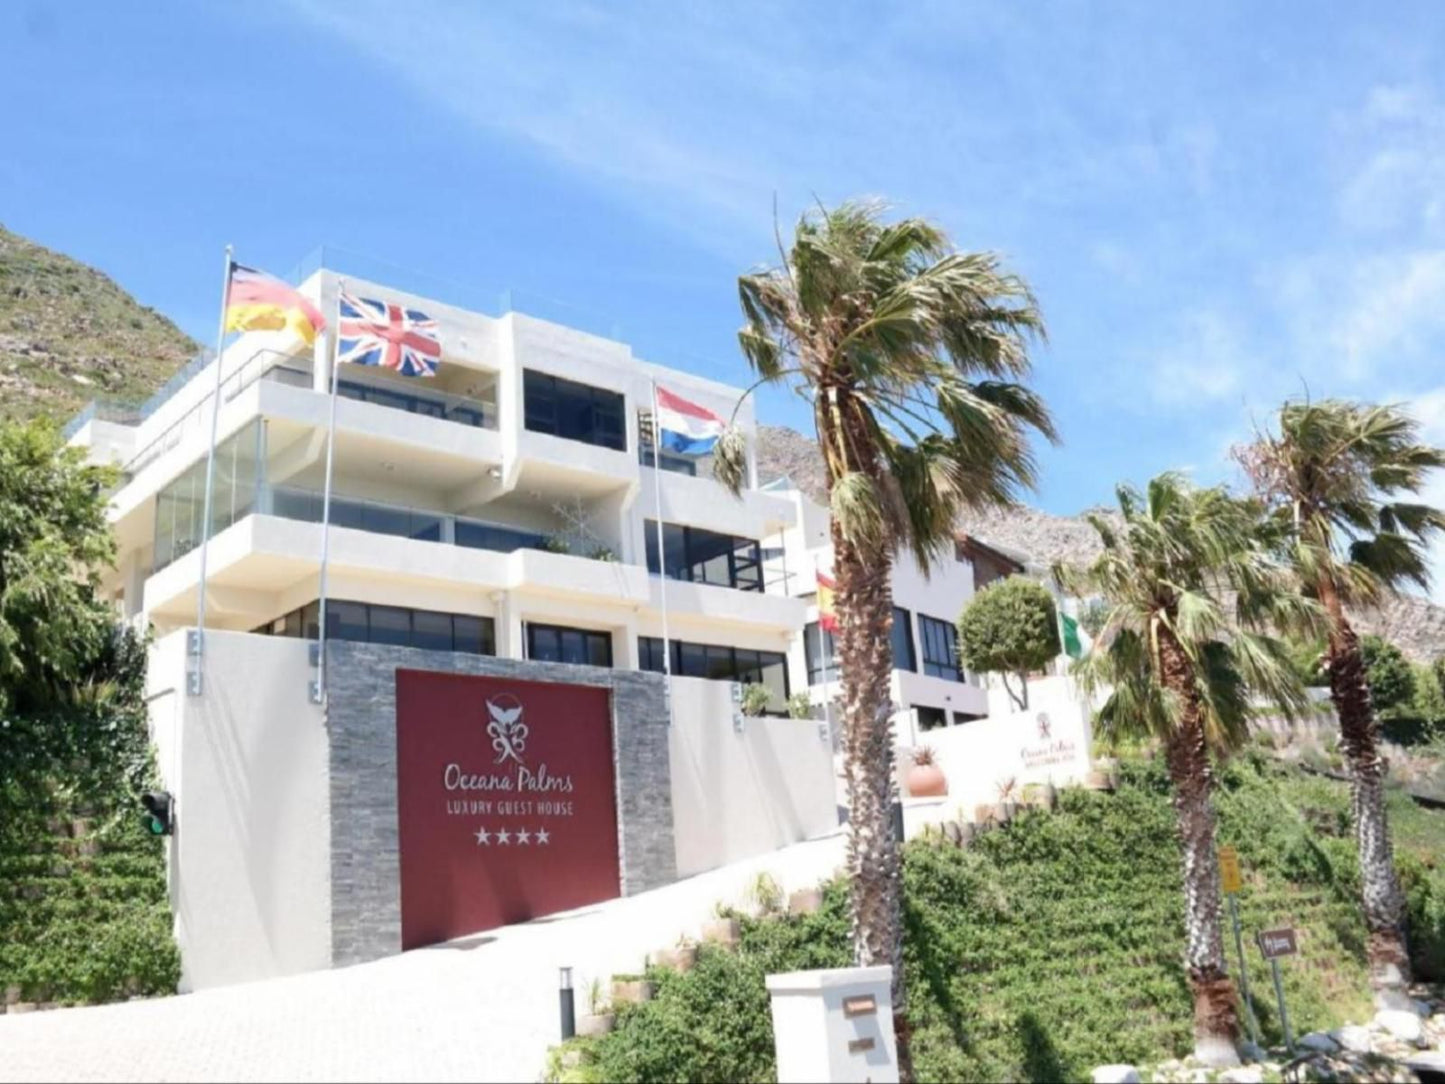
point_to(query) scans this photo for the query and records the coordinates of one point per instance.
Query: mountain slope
(69, 334)
(1416, 625)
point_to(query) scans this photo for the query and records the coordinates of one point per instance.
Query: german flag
(257, 302)
(827, 604)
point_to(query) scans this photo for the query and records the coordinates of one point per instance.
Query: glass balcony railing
(306, 505)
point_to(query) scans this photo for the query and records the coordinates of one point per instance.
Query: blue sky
(1219, 205)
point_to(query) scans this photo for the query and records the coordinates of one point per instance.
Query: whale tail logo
(509, 733)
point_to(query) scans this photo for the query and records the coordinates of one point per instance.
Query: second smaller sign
(1276, 943)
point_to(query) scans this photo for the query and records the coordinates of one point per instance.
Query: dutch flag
(687, 429)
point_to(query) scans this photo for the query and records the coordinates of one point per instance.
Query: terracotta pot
(926, 781)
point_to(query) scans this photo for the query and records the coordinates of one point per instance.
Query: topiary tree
(1009, 628)
(1391, 680)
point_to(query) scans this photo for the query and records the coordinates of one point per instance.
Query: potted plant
(599, 1018)
(681, 958)
(756, 698)
(603, 553)
(925, 778)
(556, 543)
(800, 706)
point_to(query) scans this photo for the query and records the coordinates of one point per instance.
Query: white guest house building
(497, 741)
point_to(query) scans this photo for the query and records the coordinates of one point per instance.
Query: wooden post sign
(1276, 943)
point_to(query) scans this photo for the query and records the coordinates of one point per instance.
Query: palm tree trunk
(875, 873)
(1383, 899)
(1216, 1019)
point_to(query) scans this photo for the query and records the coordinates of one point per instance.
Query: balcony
(379, 390)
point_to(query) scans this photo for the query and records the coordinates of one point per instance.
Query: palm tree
(1332, 472)
(1188, 586)
(909, 353)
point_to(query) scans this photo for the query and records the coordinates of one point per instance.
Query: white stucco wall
(976, 757)
(740, 794)
(248, 764)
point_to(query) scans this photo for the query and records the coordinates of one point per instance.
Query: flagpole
(199, 649)
(661, 552)
(320, 694)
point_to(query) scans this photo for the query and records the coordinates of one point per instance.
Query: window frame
(542, 410)
(933, 666)
(590, 638)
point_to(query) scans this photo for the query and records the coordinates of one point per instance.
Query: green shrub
(1055, 944)
(1009, 628)
(1392, 681)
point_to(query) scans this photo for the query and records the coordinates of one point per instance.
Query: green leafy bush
(1392, 681)
(1009, 628)
(1055, 944)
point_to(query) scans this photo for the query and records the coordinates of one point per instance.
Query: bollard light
(566, 1007)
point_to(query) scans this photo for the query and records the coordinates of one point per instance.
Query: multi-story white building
(492, 744)
(505, 507)
(928, 686)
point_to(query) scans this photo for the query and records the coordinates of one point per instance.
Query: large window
(702, 556)
(557, 643)
(575, 411)
(721, 663)
(902, 637)
(940, 648)
(823, 658)
(371, 624)
(180, 505)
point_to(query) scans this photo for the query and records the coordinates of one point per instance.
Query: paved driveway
(480, 1008)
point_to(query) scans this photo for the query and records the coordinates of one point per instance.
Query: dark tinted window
(398, 625)
(902, 638)
(566, 408)
(720, 663)
(822, 654)
(940, 648)
(558, 643)
(706, 556)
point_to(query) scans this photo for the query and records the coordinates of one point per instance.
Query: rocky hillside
(1417, 626)
(69, 334)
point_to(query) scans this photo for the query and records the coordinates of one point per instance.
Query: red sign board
(1276, 943)
(505, 801)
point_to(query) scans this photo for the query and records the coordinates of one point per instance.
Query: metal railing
(263, 365)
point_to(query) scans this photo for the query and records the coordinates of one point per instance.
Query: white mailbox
(834, 1025)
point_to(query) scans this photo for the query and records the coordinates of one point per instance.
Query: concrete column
(508, 624)
(624, 647)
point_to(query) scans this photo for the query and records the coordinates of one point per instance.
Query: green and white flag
(1074, 646)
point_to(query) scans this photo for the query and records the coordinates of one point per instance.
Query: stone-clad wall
(361, 717)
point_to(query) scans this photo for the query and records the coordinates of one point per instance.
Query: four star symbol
(522, 836)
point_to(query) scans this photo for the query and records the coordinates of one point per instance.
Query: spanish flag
(257, 302)
(827, 606)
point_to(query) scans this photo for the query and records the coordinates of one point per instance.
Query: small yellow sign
(1229, 879)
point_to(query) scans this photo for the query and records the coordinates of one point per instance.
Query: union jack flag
(386, 334)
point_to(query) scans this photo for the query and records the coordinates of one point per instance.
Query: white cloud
(1203, 361)
(1398, 139)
